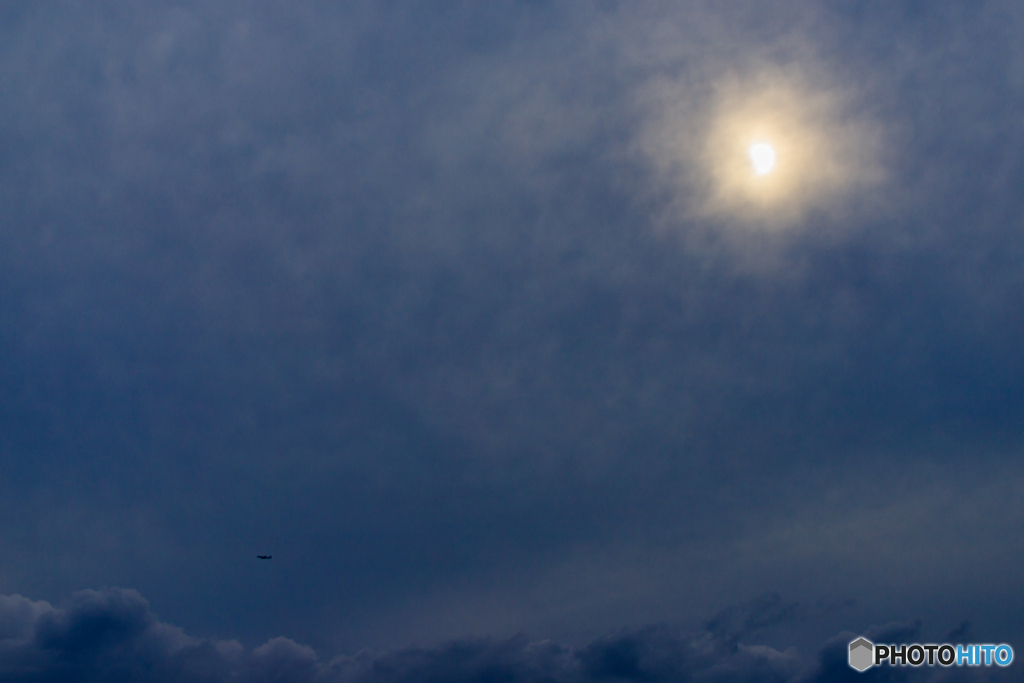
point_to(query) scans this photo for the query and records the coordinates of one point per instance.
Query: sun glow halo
(762, 157)
(761, 150)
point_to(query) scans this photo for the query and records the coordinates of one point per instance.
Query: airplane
(264, 557)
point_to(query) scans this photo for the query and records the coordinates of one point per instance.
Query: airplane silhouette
(264, 557)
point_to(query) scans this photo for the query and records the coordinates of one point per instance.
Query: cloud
(112, 635)
(382, 287)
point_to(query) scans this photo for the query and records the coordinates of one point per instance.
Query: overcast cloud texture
(473, 316)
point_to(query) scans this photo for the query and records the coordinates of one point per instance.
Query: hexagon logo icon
(862, 654)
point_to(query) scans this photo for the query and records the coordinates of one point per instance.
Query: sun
(762, 158)
(763, 150)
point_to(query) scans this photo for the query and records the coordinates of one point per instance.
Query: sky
(477, 318)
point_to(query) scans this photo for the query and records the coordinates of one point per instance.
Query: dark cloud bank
(113, 636)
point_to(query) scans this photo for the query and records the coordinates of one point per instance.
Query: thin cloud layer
(458, 312)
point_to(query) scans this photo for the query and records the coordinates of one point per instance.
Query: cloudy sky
(476, 316)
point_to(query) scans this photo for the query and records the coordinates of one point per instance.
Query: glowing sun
(762, 158)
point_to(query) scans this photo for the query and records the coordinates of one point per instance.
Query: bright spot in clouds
(762, 156)
(764, 149)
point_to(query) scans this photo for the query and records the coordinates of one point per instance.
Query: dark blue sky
(473, 316)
